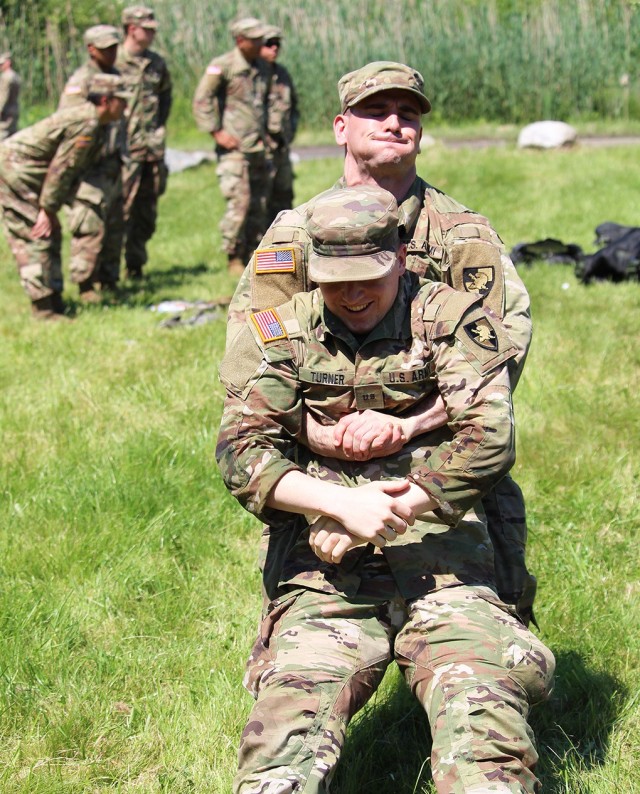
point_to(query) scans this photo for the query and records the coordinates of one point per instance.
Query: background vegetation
(128, 586)
(501, 60)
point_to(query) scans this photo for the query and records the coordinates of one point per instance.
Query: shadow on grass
(174, 276)
(388, 747)
(142, 292)
(389, 744)
(574, 727)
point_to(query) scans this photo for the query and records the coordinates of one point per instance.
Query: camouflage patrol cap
(272, 32)
(102, 36)
(140, 15)
(354, 233)
(381, 76)
(4, 57)
(108, 85)
(248, 28)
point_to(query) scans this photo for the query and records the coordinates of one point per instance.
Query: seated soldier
(369, 561)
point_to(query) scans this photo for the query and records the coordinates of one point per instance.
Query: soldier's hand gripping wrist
(372, 512)
(330, 541)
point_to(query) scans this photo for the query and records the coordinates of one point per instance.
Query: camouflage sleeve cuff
(252, 482)
(453, 502)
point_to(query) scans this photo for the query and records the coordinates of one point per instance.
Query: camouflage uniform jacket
(232, 96)
(432, 338)
(49, 158)
(147, 78)
(446, 242)
(282, 109)
(9, 107)
(75, 93)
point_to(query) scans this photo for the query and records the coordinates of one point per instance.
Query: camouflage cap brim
(331, 269)
(143, 16)
(102, 36)
(248, 28)
(381, 76)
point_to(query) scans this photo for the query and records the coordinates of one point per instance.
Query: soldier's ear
(401, 259)
(339, 130)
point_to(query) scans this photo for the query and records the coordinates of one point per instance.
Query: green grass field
(128, 587)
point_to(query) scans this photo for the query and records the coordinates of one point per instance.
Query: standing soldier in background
(96, 218)
(40, 167)
(145, 178)
(282, 123)
(230, 104)
(9, 92)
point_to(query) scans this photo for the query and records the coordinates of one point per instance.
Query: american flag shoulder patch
(274, 260)
(269, 325)
(82, 141)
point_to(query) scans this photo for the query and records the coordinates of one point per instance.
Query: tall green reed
(499, 60)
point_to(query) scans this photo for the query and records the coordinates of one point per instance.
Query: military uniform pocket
(84, 220)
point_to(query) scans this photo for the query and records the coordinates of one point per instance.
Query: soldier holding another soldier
(380, 126)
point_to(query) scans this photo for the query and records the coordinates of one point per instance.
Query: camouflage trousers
(244, 183)
(142, 185)
(473, 666)
(39, 261)
(280, 191)
(96, 223)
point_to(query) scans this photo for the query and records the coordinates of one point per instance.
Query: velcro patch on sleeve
(476, 268)
(269, 325)
(484, 341)
(275, 260)
(481, 332)
(73, 89)
(277, 274)
(213, 69)
(82, 141)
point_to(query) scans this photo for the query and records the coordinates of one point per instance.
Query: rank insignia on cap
(478, 279)
(269, 325)
(482, 333)
(275, 260)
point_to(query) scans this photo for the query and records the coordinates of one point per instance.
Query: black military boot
(49, 308)
(88, 293)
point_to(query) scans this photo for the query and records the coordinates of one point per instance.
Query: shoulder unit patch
(269, 325)
(482, 333)
(275, 260)
(478, 279)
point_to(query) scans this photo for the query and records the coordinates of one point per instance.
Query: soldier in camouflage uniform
(145, 177)
(230, 105)
(385, 559)
(282, 122)
(96, 219)
(9, 93)
(380, 128)
(40, 168)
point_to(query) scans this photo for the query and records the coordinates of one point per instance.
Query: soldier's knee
(534, 670)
